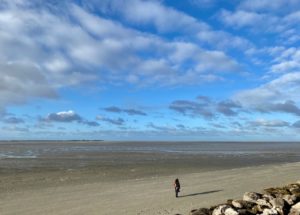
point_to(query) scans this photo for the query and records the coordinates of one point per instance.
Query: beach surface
(84, 192)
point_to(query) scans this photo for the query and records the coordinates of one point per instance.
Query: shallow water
(50, 148)
(166, 156)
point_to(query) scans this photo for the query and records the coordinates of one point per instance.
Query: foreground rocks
(272, 201)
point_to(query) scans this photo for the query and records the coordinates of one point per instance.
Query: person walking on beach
(177, 187)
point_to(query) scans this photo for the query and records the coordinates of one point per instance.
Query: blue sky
(150, 70)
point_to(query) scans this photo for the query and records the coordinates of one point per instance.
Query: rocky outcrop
(272, 201)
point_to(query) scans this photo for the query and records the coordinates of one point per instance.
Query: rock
(237, 203)
(295, 190)
(270, 212)
(296, 206)
(254, 210)
(297, 196)
(231, 211)
(261, 208)
(229, 201)
(251, 196)
(292, 186)
(275, 201)
(277, 192)
(243, 212)
(278, 203)
(242, 204)
(213, 207)
(268, 197)
(290, 199)
(263, 202)
(200, 211)
(220, 210)
(295, 210)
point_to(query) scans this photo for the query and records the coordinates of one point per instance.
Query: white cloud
(164, 19)
(280, 94)
(22, 81)
(66, 117)
(287, 61)
(257, 21)
(77, 46)
(266, 5)
(269, 123)
(63, 116)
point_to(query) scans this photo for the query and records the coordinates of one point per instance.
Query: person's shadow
(202, 193)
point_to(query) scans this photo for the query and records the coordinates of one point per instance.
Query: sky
(150, 70)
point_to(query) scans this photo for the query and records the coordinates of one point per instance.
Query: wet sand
(53, 179)
(83, 192)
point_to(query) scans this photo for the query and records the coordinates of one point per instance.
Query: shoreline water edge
(66, 178)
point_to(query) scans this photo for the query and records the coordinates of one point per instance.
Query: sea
(183, 155)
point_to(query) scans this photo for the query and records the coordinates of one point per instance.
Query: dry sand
(155, 195)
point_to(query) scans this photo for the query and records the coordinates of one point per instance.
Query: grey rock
(264, 202)
(270, 212)
(290, 199)
(251, 196)
(261, 208)
(296, 206)
(277, 203)
(295, 210)
(230, 211)
(238, 203)
(254, 210)
(277, 192)
(242, 204)
(243, 212)
(220, 210)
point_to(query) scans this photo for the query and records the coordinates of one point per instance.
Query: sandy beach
(67, 192)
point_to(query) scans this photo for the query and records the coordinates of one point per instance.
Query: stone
(270, 212)
(290, 199)
(254, 210)
(242, 204)
(277, 192)
(220, 210)
(296, 206)
(237, 203)
(295, 191)
(261, 208)
(200, 211)
(231, 211)
(263, 202)
(251, 196)
(297, 196)
(292, 186)
(277, 203)
(295, 210)
(268, 197)
(229, 201)
(243, 212)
